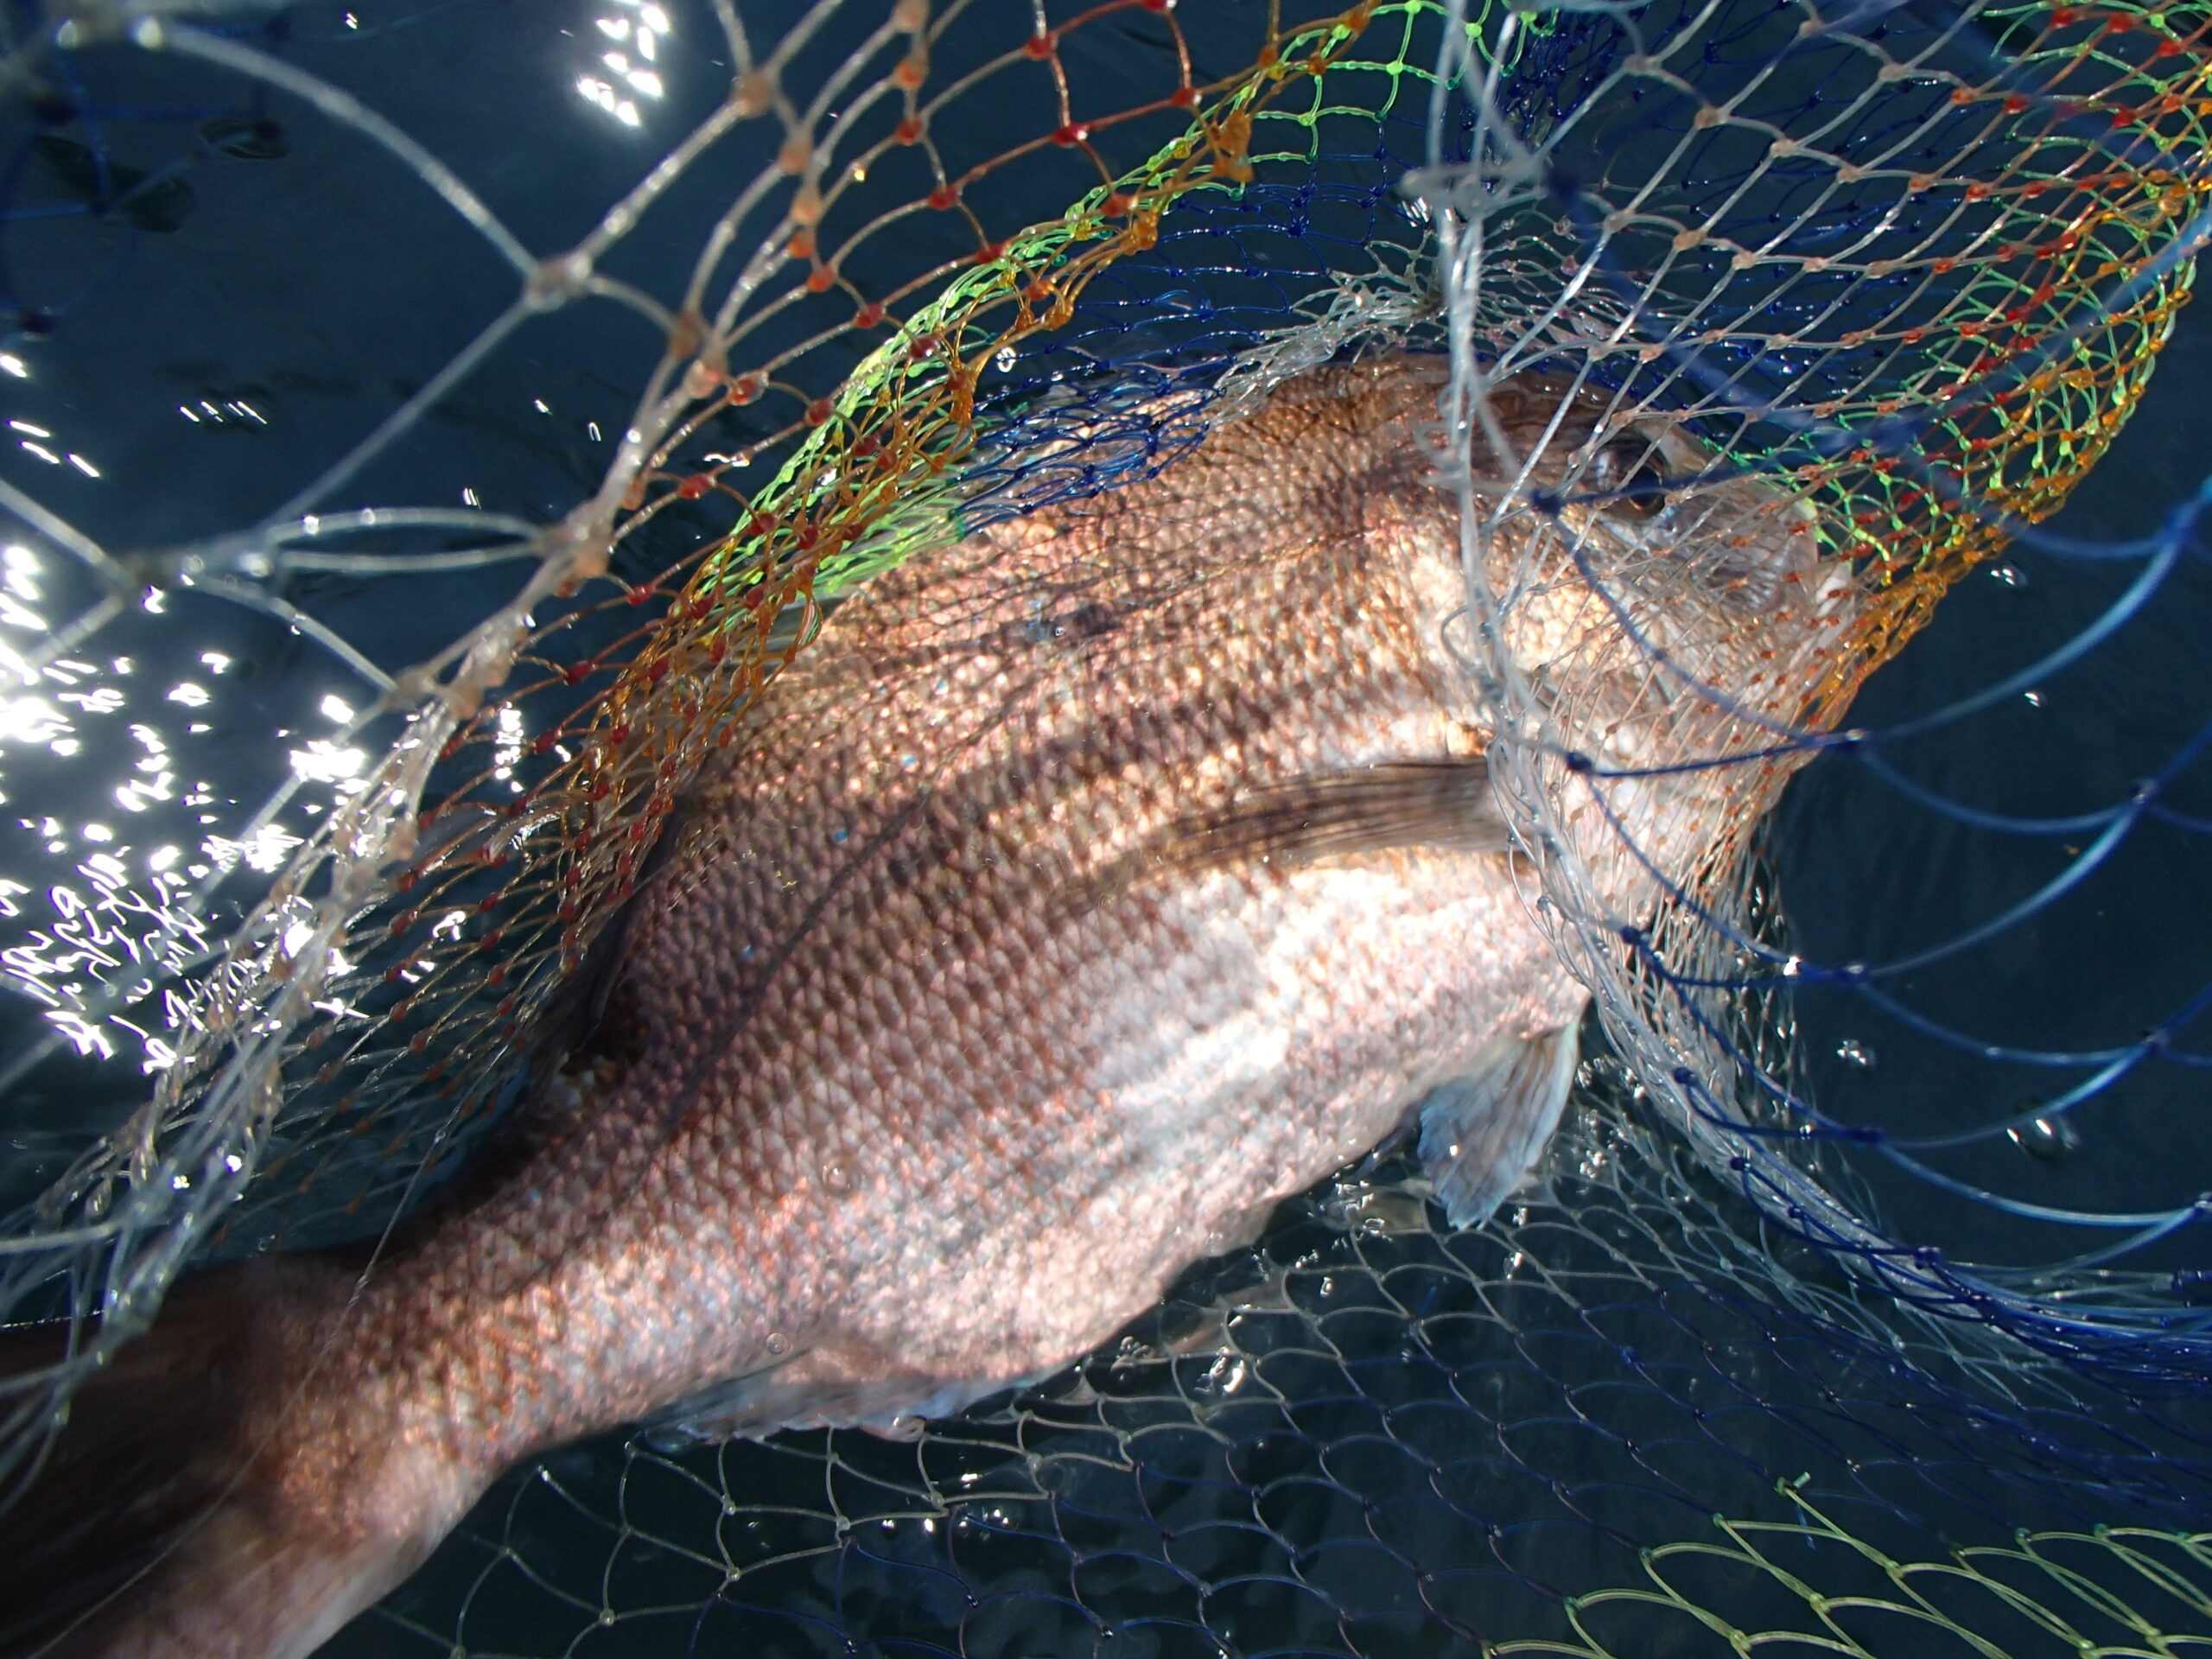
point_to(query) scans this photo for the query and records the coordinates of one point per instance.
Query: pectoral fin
(1481, 1133)
(1328, 815)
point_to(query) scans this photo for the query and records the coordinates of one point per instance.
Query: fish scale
(1045, 924)
(1041, 765)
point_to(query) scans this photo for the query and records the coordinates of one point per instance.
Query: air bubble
(2047, 1139)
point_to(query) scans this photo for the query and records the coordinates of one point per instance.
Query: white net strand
(121, 1225)
(116, 1227)
(1477, 205)
(1676, 1036)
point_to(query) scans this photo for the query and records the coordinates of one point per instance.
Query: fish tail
(167, 1515)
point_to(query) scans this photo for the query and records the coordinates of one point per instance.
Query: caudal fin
(165, 1517)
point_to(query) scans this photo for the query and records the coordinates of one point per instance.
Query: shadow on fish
(1091, 884)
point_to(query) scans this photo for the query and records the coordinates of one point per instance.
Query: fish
(1090, 886)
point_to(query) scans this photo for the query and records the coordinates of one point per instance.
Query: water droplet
(833, 1178)
(1855, 1052)
(1224, 1378)
(2047, 1139)
(777, 1343)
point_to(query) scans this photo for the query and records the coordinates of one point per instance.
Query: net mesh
(900, 272)
(1609, 1426)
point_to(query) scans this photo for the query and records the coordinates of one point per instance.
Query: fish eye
(1628, 471)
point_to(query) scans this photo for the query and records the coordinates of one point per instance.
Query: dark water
(1872, 877)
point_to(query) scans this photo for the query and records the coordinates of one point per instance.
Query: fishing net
(435, 424)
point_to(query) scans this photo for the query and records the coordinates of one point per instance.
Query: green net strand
(2045, 1594)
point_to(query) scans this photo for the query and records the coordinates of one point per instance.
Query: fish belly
(1244, 1039)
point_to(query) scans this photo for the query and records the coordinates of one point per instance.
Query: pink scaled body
(1090, 886)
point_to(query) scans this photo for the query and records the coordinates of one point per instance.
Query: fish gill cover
(435, 424)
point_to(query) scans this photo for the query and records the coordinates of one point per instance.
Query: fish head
(1677, 632)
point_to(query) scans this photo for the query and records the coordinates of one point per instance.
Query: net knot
(558, 279)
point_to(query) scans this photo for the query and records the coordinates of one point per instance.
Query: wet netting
(430, 424)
